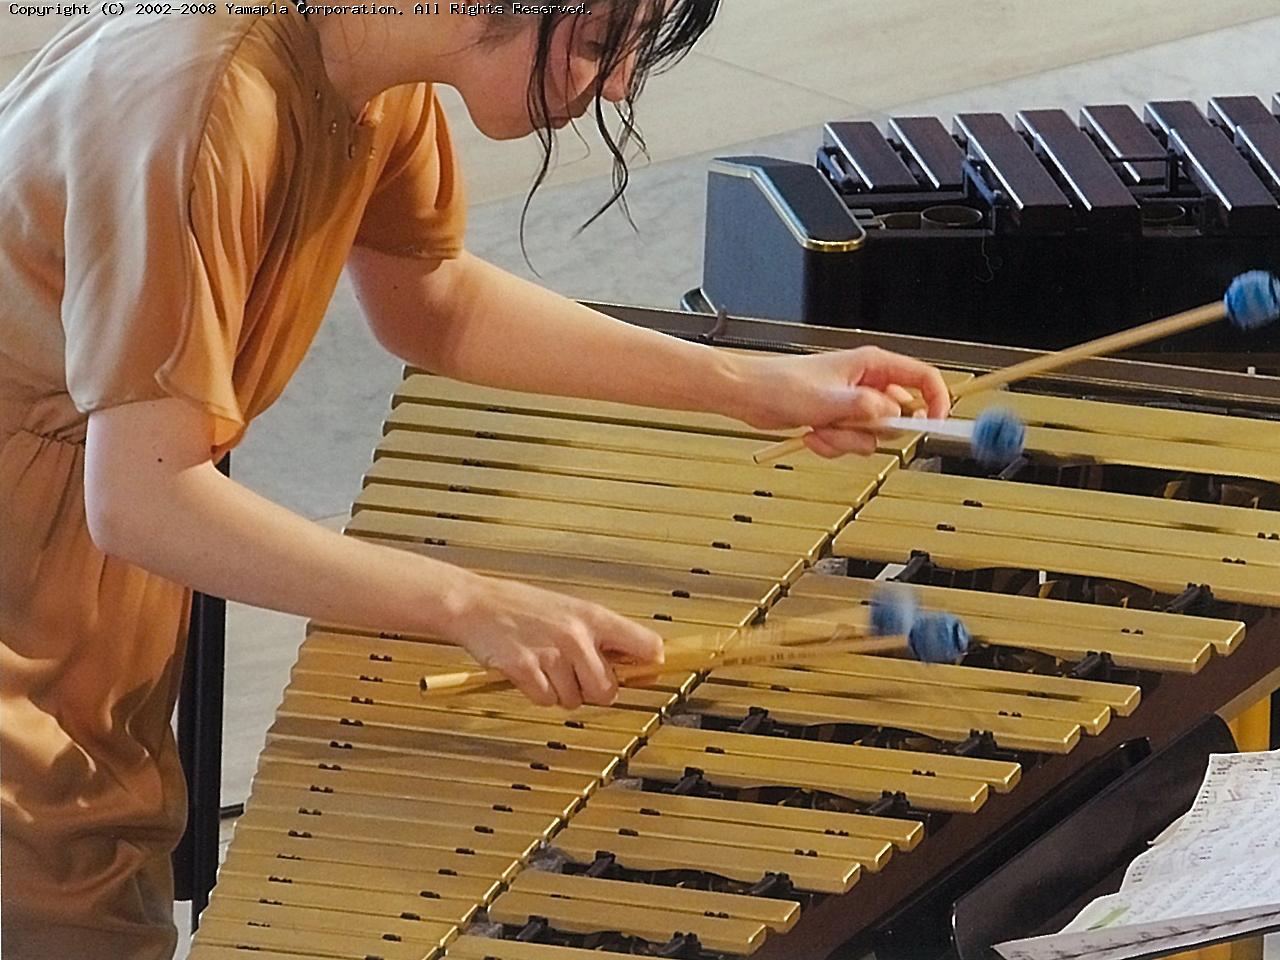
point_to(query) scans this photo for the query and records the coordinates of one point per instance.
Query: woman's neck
(366, 54)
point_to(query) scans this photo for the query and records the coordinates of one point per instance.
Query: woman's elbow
(107, 517)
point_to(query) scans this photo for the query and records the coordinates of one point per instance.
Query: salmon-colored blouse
(177, 197)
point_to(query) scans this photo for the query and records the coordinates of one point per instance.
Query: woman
(179, 196)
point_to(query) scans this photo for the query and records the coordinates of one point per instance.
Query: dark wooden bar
(1212, 162)
(866, 153)
(1121, 134)
(1231, 112)
(1169, 115)
(932, 148)
(1101, 198)
(1261, 143)
(1035, 200)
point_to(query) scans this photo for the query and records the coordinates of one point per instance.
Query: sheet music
(1121, 943)
(1214, 874)
(1235, 817)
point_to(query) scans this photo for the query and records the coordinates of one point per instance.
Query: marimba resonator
(1041, 231)
(1121, 581)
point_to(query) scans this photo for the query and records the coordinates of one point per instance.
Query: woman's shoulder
(148, 81)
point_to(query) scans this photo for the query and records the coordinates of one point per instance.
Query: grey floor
(310, 450)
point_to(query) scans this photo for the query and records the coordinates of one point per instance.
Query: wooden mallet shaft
(444, 684)
(1112, 343)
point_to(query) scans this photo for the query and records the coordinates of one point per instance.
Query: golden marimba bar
(384, 825)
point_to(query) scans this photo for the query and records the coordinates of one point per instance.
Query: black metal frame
(1042, 888)
(195, 861)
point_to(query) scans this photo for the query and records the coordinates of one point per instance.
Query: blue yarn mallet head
(1253, 299)
(998, 437)
(931, 636)
(938, 638)
(893, 611)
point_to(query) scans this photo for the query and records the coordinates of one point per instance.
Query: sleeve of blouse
(161, 250)
(418, 208)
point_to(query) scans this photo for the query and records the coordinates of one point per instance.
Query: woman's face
(496, 87)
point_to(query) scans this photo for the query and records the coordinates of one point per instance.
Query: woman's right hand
(554, 648)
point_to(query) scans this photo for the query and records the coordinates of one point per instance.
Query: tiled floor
(763, 81)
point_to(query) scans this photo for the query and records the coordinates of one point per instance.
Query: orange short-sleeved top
(179, 195)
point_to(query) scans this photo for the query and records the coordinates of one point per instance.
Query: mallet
(896, 625)
(1251, 301)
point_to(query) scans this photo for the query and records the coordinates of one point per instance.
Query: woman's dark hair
(657, 32)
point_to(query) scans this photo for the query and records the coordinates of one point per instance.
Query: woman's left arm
(473, 321)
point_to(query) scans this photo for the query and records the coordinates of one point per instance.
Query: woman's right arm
(153, 498)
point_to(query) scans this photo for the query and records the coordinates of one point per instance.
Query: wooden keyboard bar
(1232, 112)
(421, 387)
(1127, 537)
(1100, 198)
(287, 916)
(1122, 135)
(955, 726)
(643, 852)
(1001, 775)
(886, 543)
(1121, 698)
(321, 757)
(460, 816)
(333, 945)
(521, 454)
(1148, 512)
(597, 573)
(389, 722)
(905, 835)
(618, 494)
(325, 826)
(371, 903)
(777, 915)
(932, 148)
(486, 948)
(866, 152)
(871, 854)
(506, 705)
(616, 438)
(428, 886)
(218, 951)
(746, 770)
(342, 740)
(379, 525)
(583, 518)
(340, 854)
(1036, 202)
(1092, 717)
(352, 783)
(721, 934)
(1063, 640)
(1218, 169)
(1170, 115)
(1224, 635)
(1261, 144)
(1098, 416)
(400, 652)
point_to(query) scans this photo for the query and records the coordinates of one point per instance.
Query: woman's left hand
(839, 395)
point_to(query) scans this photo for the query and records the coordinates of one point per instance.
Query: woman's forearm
(506, 332)
(199, 528)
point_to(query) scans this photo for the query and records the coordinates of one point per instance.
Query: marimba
(1038, 230)
(755, 811)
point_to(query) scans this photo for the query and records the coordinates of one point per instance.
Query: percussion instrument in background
(1039, 230)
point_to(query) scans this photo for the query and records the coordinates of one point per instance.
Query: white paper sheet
(1214, 874)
